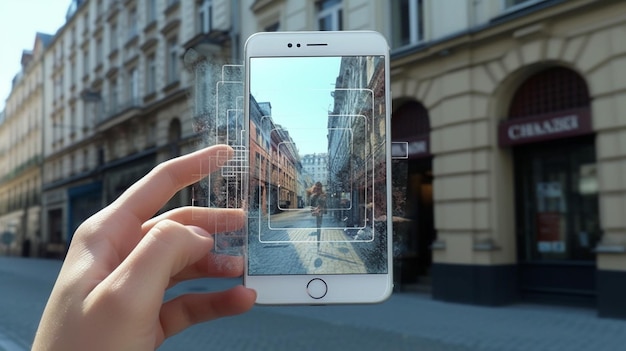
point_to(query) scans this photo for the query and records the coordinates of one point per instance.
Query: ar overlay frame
(216, 103)
(348, 133)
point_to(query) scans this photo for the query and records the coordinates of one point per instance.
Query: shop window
(556, 182)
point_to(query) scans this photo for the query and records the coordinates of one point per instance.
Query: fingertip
(250, 293)
(246, 297)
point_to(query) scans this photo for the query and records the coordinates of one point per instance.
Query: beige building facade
(21, 154)
(514, 188)
(525, 136)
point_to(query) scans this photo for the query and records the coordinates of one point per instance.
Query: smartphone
(318, 188)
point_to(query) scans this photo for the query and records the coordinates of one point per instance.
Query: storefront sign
(545, 127)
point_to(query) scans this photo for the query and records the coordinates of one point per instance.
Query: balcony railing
(115, 109)
(15, 172)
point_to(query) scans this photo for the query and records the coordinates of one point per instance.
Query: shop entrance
(558, 219)
(556, 197)
(413, 216)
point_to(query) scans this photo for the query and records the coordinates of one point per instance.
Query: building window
(172, 61)
(205, 11)
(408, 23)
(58, 86)
(86, 115)
(73, 37)
(152, 10)
(553, 89)
(86, 22)
(112, 97)
(72, 72)
(72, 164)
(133, 85)
(113, 37)
(85, 62)
(202, 92)
(132, 23)
(99, 52)
(73, 121)
(151, 74)
(273, 27)
(330, 15)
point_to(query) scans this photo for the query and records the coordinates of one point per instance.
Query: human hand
(109, 293)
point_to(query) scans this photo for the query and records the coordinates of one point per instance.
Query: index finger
(144, 198)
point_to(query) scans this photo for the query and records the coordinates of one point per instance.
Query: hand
(109, 293)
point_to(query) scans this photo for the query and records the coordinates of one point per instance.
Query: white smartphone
(319, 189)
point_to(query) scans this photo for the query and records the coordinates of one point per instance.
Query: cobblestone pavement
(407, 321)
(292, 247)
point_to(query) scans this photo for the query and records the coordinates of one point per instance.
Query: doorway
(557, 219)
(412, 181)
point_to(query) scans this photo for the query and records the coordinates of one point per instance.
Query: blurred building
(506, 116)
(521, 174)
(316, 166)
(510, 186)
(120, 85)
(21, 154)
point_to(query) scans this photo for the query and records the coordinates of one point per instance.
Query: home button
(317, 288)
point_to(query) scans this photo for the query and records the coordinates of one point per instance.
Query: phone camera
(289, 45)
(298, 45)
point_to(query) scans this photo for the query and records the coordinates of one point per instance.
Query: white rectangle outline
(400, 157)
(366, 190)
(334, 208)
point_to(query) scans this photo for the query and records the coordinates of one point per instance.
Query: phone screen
(318, 200)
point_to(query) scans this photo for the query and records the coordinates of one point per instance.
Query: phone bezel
(342, 288)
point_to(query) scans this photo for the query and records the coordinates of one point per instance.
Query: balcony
(34, 161)
(116, 113)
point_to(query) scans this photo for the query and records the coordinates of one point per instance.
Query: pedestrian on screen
(318, 207)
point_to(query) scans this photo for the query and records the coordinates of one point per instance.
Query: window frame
(417, 27)
(151, 73)
(172, 60)
(335, 11)
(205, 16)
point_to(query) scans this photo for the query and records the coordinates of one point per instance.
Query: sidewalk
(409, 319)
(516, 327)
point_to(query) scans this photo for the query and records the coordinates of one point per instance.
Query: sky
(300, 109)
(20, 20)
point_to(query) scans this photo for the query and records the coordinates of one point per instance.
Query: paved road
(291, 244)
(408, 321)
